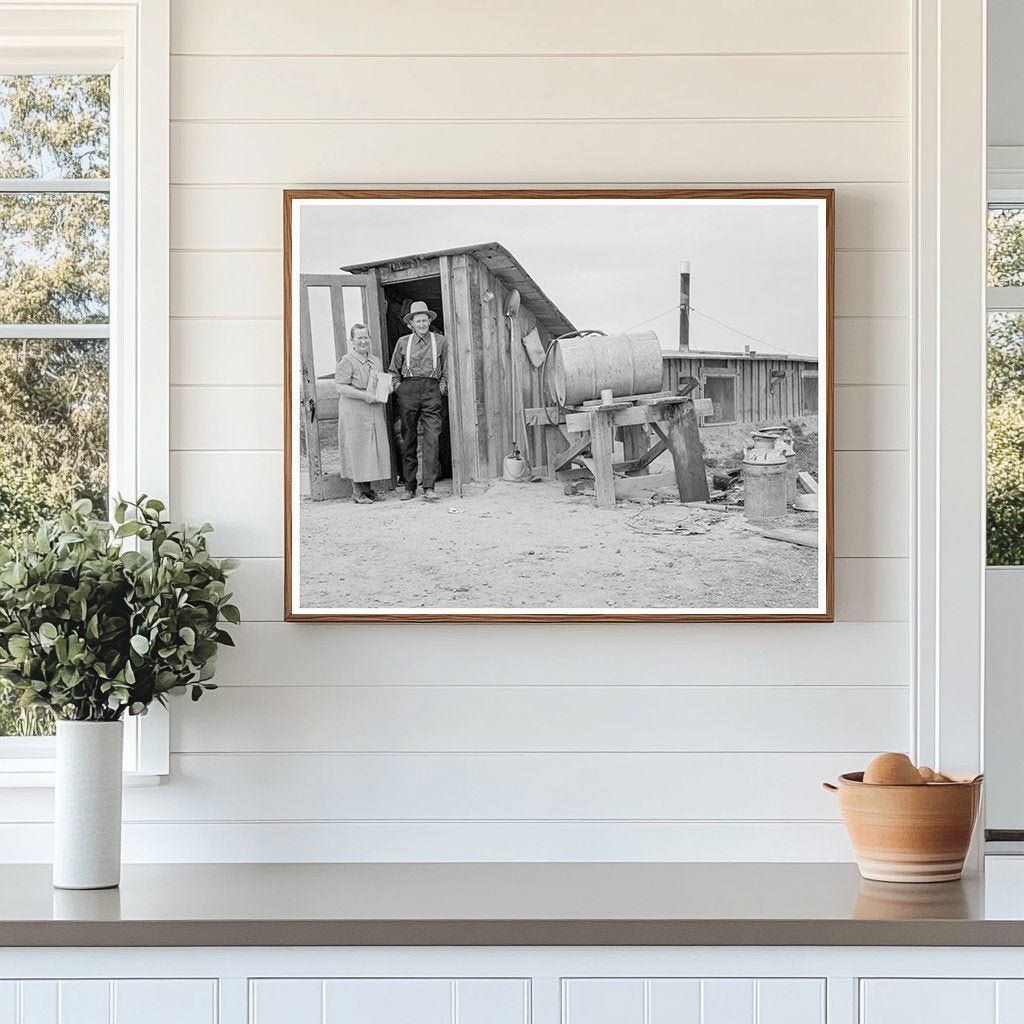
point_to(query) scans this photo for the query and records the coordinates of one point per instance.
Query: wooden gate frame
(322, 485)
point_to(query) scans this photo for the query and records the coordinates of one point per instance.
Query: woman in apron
(362, 429)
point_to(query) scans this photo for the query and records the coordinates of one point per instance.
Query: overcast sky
(612, 266)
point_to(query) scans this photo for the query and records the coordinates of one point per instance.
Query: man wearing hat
(420, 366)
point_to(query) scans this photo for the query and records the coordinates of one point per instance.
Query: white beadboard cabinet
(109, 1001)
(513, 985)
(946, 1001)
(696, 1000)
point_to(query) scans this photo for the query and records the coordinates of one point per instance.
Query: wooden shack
(746, 387)
(468, 288)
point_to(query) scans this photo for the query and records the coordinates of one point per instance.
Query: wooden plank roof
(503, 265)
(697, 353)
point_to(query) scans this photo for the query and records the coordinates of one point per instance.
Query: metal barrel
(629, 364)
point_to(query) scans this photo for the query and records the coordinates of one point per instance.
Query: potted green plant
(99, 620)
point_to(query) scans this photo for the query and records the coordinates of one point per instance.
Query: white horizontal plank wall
(433, 742)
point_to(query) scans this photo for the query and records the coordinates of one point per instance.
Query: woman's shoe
(373, 495)
(362, 499)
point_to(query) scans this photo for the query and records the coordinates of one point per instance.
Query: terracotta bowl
(909, 833)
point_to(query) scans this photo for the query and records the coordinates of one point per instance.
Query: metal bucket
(629, 364)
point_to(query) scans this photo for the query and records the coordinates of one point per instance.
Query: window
(54, 293)
(1005, 476)
(721, 390)
(809, 392)
(84, 125)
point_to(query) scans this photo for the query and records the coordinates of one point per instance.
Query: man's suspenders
(408, 350)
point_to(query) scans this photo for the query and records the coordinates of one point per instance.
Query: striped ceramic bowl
(909, 833)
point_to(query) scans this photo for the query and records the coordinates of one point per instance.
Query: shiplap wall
(685, 741)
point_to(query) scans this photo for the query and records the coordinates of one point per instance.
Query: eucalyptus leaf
(93, 631)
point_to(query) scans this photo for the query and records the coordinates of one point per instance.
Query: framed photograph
(559, 405)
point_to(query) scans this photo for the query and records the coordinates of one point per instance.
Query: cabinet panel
(84, 1002)
(727, 1001)
(286, 1001)
(929, 1001)
(694, 1001)
(674, 1001)
(1009, 1002)
(8, 1002)
(38, 1002)
(388, 1000)
(790, 1001)
(603, 1001)
(103, 1001)
(491, 1001)
(165, 1002)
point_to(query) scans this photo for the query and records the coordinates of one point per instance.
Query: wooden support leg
(687, 452)
(566, 456)
(602, 450)
(634, 448)
(555, 443)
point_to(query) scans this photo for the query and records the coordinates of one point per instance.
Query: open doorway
(398, 297)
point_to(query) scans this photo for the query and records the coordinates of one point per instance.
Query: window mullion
(62, 332)
(54, 185)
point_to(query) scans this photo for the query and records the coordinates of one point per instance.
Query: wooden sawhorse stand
(672, 418)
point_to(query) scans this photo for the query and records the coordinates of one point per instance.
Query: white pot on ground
(87, 805)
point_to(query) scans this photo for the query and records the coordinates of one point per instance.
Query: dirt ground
(530, 545)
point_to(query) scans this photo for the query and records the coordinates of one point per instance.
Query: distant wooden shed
(747, 387)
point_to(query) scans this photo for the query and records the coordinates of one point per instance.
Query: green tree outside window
(1005, 479)
(54, 271)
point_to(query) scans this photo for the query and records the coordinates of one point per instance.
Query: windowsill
(39, 773)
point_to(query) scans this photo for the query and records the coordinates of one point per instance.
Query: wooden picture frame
(475, 276)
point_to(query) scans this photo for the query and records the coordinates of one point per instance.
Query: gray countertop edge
(511, 933)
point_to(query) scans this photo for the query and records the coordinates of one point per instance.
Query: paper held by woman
(380, 385)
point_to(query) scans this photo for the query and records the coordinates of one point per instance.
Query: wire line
(721, 323)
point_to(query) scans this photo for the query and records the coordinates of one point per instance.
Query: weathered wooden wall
(483, 355)
(755, 402)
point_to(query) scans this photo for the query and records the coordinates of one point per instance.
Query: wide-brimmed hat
(418, 307)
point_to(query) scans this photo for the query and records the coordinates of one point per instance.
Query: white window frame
(130, 41)
(1004, 719)
(948, 449)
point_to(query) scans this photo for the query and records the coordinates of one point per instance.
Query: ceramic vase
(87, 805)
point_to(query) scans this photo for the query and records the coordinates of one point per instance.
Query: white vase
(87, 805)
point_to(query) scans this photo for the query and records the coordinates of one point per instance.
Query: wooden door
(352, 298)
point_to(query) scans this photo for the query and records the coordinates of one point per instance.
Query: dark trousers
(419, 400)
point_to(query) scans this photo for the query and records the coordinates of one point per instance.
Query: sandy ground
(530, 545)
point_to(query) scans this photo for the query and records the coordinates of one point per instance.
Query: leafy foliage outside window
(54, 270)
(1005, 484)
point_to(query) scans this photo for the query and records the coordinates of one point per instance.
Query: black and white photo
(559, 405)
